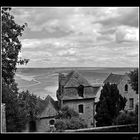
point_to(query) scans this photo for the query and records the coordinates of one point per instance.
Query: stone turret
(62, 79)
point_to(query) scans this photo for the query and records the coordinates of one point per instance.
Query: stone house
(125, 89)
(75, 92)
(46, 119)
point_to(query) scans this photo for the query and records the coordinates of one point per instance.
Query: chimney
(62, 79)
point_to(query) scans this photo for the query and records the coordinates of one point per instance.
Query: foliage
(31, 104)
(60, 125)
(15, 115)
(67, 113)
(109, 105)
(20, 107)
(126, 118)
(11, 45)
(69, 119)
(134, 79)
(76, 123)
(73, 123)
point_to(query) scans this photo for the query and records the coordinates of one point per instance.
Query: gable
(76, 79)
(49, 111)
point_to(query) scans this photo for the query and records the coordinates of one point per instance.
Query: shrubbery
(67, 113)
(73, 123)
(69, 119)
(126, 117)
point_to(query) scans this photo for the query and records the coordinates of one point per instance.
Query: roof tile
(114, 78)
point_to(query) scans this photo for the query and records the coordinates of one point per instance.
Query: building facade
(75, 92)
(125, 89)
(46, 119)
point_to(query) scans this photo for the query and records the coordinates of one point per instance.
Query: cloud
(126, 33)
(78, 36)
(30, 43)
(124, 16)
(69, 52)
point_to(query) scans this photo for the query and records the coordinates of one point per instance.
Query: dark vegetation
(20, 107)
(109, 105)
(69, 119)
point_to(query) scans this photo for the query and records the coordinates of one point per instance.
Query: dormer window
(81, 91)
(126, 88)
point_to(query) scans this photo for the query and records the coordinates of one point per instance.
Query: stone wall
(43, 125)
(130, 94)
(3, 118)
(116, 128)
(88, 106)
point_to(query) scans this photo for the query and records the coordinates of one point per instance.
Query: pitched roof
(49, 99)
(75, 79)
(114, 78)
(96, 89)
(49, 111)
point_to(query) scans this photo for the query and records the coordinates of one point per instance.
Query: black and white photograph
(69, 70)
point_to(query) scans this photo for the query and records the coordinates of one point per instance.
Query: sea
(44, 81)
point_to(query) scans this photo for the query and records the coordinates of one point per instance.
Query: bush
(125, 118)
(69, 119)
(73, 123)
(60, 125)
(67, 113)
(76, 123)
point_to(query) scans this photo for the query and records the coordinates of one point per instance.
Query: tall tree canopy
(109, 105)
(20, 107)
(134, 79)
(11, 45)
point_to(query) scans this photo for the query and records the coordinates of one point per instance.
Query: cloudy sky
(79, 36)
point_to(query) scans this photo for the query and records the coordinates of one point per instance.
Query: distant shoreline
(32, 78)
(72, 67)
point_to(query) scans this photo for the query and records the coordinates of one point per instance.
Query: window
(81, 110)
(81, 90)
(131, 103)
(51, 122)
(126, 87)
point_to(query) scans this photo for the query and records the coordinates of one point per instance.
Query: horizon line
(80, 67)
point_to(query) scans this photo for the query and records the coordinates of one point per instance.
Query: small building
(75, 92)
(46, 119)
(125, 89)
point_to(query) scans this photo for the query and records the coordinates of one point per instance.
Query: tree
(32, 104)
(11, 46)
(109, 105)
(134, 79)
(15, 114)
